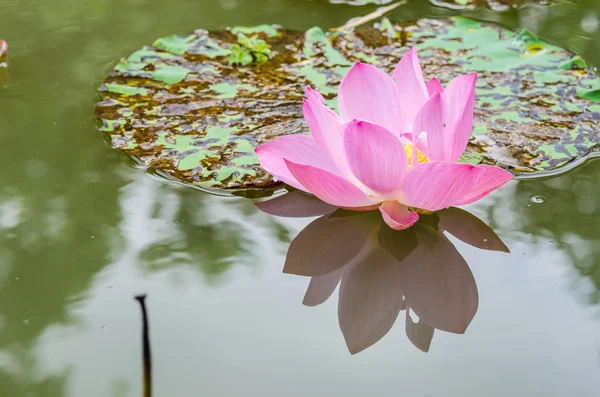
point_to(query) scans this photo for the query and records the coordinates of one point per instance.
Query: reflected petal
(295, 204)
(470, 229)
(327, 244)
(370, 298)
(438, 284)
(420, 334)
(321, 287)
(397, 243)
(403, 305)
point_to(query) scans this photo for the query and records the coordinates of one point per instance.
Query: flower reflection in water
(382, 271)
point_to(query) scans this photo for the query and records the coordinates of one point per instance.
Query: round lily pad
(192, 109)
(497, 5)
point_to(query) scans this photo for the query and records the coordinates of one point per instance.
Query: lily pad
(181, 108)
(497, 5)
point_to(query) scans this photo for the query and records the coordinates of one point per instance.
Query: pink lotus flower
(395, 145)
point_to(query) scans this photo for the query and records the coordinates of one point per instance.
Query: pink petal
(376, 157)
(492, 178)
(436, 185)
(398, 216)
(301, 149)
(311, 93)
(368, 94)
(422, 143)
(295, 204)
(326, 128)
(458, 101)
(430, 120)
(434, 86)
(413, 144)
(331, 188)
(409, 77)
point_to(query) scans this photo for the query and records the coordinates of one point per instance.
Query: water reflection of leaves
(382, 271)
(567, 221)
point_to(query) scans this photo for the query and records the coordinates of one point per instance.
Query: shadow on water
(383, 271)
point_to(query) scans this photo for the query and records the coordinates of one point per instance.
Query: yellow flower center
(421, 158)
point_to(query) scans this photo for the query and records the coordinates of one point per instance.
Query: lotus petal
(329, 187)
(300, 149)
(398, 216)
(436, 185)
(411, 86)
(366, 93)
(376, 157)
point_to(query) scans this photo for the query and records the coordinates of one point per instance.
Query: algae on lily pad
(182, 108)
(497, 5)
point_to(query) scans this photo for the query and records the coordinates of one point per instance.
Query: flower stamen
(421, 158)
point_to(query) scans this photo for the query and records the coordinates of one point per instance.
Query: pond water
(82, 232)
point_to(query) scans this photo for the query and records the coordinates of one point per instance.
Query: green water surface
(82, 232)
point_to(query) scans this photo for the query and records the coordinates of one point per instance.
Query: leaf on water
(497, 5)
(268, 30)
(182, 109)
(471, 158)
(249, 49)
(240, 56)
(360, 2)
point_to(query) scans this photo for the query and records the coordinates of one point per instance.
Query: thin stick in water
(146, 354)
(369, 17)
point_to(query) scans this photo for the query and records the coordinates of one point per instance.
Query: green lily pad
(182, 109)
(498, 5)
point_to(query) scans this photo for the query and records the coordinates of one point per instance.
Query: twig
(146, 354)
(3, 49)
(369, 17)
